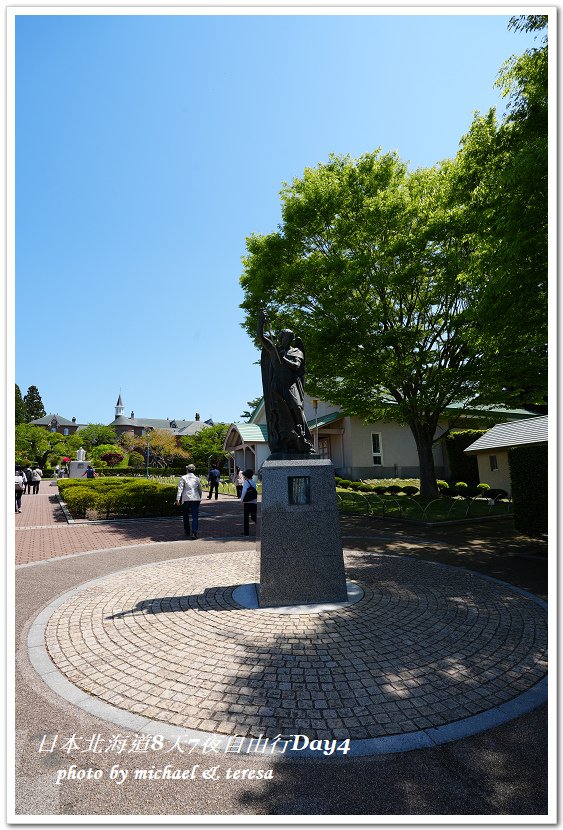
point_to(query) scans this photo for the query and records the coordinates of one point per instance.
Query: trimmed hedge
(463, 467)
(119, 496)
(528, 475)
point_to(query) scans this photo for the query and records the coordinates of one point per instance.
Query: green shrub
(482, 488)
(380, 489)
(461, 488)
(365, 488)
(393, 489)
(496, 493)
(136, 459)
(410, 490)
(79, 499)
(443, 486)
(463, 466)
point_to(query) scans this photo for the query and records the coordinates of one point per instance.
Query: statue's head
(285, 338)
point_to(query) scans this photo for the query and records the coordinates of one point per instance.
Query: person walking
(89, 472)
(238, 480)
(36, 476)
(189, 496)
(28, 472)
(20, 488)
(214, 475)
(249, 499)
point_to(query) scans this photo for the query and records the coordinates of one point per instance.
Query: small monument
(76, 469)
(301, 558)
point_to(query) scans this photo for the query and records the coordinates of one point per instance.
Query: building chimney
(197, 416)
(73, 419)
(132, 414)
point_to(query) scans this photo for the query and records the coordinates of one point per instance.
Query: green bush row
(460, 488)
(118, 497)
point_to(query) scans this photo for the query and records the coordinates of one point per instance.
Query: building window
(376, 448)
(53, 429)
(493, 463)
(65, 431)
(324, 448)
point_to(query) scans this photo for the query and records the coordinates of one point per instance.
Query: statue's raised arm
(283, 369)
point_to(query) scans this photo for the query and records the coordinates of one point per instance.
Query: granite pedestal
(76, 469)
(301, 559)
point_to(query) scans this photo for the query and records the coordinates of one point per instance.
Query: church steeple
(119, 407)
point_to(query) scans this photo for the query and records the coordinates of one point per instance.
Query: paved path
(500, 771)
(42, 531)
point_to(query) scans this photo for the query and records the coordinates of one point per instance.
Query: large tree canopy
(369, 267)
(503, 177)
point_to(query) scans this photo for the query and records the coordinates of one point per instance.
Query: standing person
(20, 488)
(249, 499)
(189, 496)
(89, 472)
(36, 477)
(238, 480)
(28, 472)
(214, 475)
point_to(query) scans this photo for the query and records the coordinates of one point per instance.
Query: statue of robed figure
(283, 372)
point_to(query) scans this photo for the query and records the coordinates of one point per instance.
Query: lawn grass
(417, 508)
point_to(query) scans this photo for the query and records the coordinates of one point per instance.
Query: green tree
(96, 434)
(247, 414)
(503, 172)
(34, 404)
(368, 267)
(21, 411)
(36, 445)
(205, 445)
(99, 450)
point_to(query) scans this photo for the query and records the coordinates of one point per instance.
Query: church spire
(119, 407)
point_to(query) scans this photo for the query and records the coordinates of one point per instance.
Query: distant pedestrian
(36, 477)
(20, 488)
(189, 496)
(213, 475)
(249, 499)
(238, 480)
(28, 472)
(89, 472)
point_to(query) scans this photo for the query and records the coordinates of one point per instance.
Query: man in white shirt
(189, 496)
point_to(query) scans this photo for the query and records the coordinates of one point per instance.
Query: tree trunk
(424, 441)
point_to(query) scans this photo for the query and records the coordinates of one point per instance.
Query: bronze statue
(283, 371)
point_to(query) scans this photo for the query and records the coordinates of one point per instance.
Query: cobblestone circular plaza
(426, 646)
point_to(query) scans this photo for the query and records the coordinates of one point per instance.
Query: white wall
(495, 478)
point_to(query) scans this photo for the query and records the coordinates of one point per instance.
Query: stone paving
(42, 531)
(501, 771)
(427, 645)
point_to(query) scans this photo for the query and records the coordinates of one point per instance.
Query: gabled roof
(251, 433)
(46, 421)
(325, 419)
(502, 436)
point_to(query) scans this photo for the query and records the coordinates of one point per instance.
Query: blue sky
(149, 147)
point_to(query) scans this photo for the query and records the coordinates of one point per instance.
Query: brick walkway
(42, 531)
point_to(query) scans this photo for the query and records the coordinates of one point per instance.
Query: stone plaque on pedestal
(301, 558)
